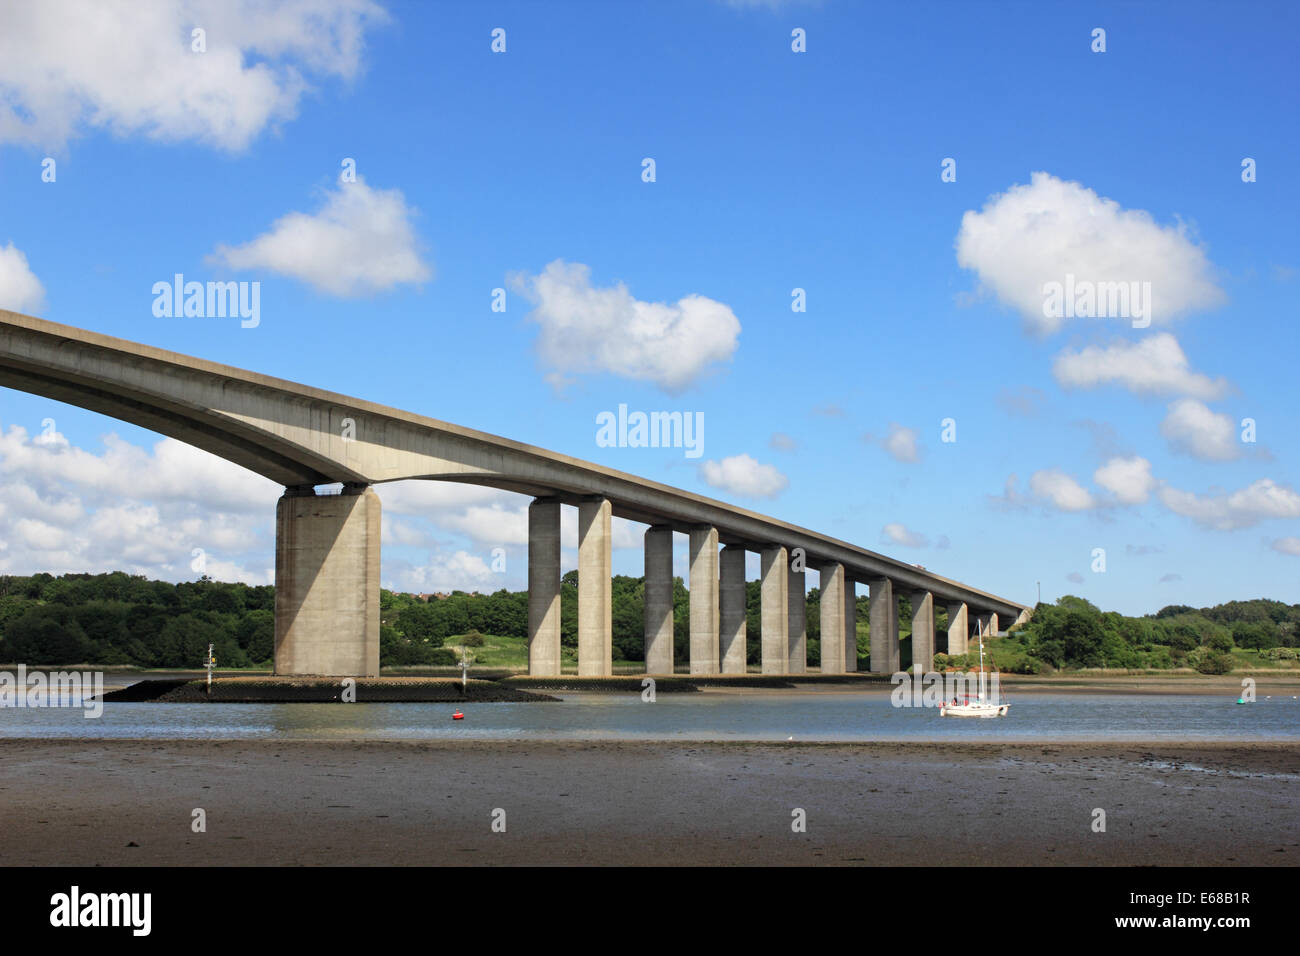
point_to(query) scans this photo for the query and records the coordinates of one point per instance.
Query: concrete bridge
(327, 546)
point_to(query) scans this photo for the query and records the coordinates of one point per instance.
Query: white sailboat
(981, 706)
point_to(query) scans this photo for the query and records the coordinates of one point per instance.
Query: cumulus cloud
(20, 290)
(1262, 500)
(1288, 545)
(1154, 365)
(1060, 490)
(742, 475)
(1191, 427)
(144, 511)
(1128, 479)
(900, 443)
(585, 329)
(1040, 233)
(895, 533)
(444, 573)
(131, 69)
(359, 243)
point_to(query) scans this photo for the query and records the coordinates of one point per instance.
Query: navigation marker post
(209, 664)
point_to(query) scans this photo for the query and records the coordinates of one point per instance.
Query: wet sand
(363, 803)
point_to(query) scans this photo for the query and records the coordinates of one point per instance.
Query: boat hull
(974, 710)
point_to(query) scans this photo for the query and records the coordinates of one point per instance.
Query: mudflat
(291, 802)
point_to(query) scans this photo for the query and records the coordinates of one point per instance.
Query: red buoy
(458, 716)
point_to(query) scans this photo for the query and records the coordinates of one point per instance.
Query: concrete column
(958, 628)
(922, 632)
(774, 568)
(850, 625)
(982, 624)
(798, 630)
(704, 600)
(544, 587)
(327, 583)
(595, 601)
(993, 624)
(832, 618)
(895, 651)
(731, 609)
(884, 627)
(659, 600)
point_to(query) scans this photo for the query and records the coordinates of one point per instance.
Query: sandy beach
(130, 802)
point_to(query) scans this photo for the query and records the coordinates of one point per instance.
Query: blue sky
(774, 170)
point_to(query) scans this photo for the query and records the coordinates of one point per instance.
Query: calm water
(688, 717)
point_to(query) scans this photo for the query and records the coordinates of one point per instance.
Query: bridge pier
(883, 612)
(832, 618)
(731, 609)
(958, 628)
(775, 621)
(327, 583)
(659, 600)
(797, 635)
(704, 600)
(544, 587)
(850, 625)
(922, 632)
(595, 597)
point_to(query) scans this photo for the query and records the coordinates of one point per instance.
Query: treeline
(120, 619)
(1074, 633)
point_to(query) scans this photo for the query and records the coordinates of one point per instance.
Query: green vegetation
(1074, 634)
(119, 619)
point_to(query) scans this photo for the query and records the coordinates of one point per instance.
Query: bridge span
(327, 546)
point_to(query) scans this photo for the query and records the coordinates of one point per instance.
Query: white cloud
(1061, 490)
(361, 242)
(780, 441)
(742, 475)
(459, 571)
(1190, 426)
(1032, 235)
(1154, 365)
(895, 533)
(143, 511)
(20, 290)
(1128, 479)
(1288, 545)
(900, 443)
(586, 329)
(1259, 501)
(129, 68)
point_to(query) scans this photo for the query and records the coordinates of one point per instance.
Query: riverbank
(290, 802)
(321, 690)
